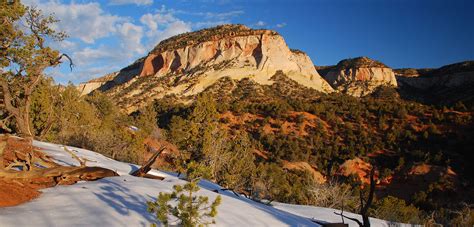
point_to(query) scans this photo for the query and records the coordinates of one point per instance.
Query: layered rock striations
(187, 64)
(449, 76)
(358, 76)
(91, 85)
(445, 85)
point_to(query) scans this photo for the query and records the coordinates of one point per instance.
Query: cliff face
(89, 86)
(359, 76)
(445, 85)
(187, 64)
(256, 56)
(449, 76)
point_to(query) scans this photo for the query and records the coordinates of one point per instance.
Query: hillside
(121, 201)
(291, 126)
(187, 64)
(228, 125)
(446, 85)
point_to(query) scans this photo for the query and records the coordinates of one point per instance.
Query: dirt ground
(13, 193)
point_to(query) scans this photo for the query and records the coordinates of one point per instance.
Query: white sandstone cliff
(360, 76)
(187, 64)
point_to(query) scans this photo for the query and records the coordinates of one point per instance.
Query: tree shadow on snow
(283, 216)
(133, 168)
(125, 202)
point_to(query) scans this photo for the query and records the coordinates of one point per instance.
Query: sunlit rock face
(187, 64)
(359, 76)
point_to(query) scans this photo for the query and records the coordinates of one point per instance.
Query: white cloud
(126, 2)
(88, 55)
(81, 75)
(161, 26)
(260, 24)
(67, 45)
(175, 28)
(130, 36)
(154, 21)
(281, 25)
(102, 42)
(208, 19)
(87, 22)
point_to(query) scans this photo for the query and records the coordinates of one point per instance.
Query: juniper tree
(24, 56)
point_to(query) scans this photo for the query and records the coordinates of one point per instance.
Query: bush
(334, 195)
(191, 210)
(396, 210)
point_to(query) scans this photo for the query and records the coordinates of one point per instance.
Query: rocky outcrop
(318, 177)
(359, 76)
(449, 76)
(187, 64)
(445, 85)
(258, 54)
(89, 86)
(411, 72)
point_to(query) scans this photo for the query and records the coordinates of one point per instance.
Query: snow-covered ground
(121, 201)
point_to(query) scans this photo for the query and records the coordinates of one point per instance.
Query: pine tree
(183, 203)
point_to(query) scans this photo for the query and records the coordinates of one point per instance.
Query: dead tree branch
(82, 162)
(352, 219)
(142, 171)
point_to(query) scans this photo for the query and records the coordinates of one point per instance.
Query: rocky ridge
(187, 64)
(445, 85)
(358, 76)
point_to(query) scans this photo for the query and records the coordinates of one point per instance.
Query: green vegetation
(24, 56)
(245, 135)
(391, 133)
(191, 210)
(207, 34)
(360, 62)
(92, 122)
(394, 209)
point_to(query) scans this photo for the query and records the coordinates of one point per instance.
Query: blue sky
(108, 35)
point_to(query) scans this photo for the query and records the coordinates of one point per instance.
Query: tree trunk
(21, 116)
(365, 208)
(23, 124)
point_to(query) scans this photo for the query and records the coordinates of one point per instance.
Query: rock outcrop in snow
(359, 76)
(187, 64)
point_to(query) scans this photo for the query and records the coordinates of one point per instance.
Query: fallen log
(17, 152)
(61, 175)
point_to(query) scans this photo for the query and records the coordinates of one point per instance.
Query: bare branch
(58, 61)
(147, 166)
(353, 219)
(3, 123)
(16, 163)
(81, 161)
